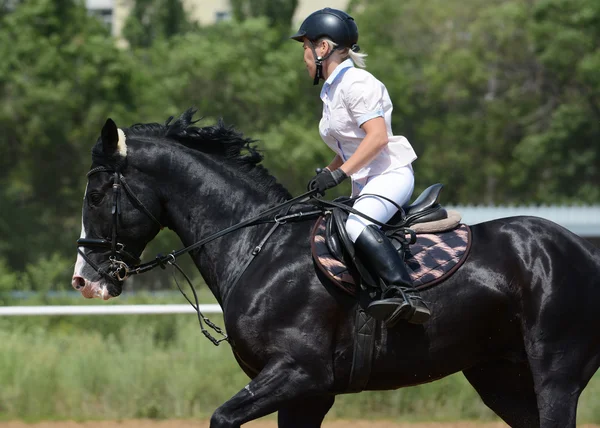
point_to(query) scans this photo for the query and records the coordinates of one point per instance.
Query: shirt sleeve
(364, 99)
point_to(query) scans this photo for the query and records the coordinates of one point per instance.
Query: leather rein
(123, 264)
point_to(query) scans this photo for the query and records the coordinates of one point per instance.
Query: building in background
(581, 220)
(103, 9)
(205, 12)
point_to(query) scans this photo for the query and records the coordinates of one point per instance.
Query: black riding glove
(326, 180)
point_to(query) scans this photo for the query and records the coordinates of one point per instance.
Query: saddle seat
(426, 208)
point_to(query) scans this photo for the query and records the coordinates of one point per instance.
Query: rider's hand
(326, 180)
(318, 171)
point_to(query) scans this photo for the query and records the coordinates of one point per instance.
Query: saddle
(439, 243)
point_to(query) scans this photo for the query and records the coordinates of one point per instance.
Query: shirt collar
(337, 72)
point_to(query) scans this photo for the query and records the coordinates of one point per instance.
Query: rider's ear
(324, 47)
(110, 137)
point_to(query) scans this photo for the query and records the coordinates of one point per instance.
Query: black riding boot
(399, 299)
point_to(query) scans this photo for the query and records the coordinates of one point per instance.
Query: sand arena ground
(258, 424)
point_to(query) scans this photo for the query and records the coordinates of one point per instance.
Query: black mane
(218, 139)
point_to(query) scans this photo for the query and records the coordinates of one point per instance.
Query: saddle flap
(333, 242)
(338, 238)
(339, 218)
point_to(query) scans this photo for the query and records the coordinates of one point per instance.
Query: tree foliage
(61, 75)
(489, 88)
(279, 13)
(501, 99)
(152, 20)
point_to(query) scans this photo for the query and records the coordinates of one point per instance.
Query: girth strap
(362, 360)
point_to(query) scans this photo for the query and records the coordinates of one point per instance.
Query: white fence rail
(106, 310)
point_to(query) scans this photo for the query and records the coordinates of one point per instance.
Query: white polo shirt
(351, 96)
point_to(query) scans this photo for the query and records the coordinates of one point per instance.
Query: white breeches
(397, 185)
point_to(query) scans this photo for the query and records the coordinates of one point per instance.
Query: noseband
(120, 259)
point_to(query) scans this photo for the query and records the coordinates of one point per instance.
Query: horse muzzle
(94, 289)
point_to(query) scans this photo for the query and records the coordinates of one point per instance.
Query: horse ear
(109, 137)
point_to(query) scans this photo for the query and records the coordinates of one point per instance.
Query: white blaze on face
(81, 263)
(87, 288)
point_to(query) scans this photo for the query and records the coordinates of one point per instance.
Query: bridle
(120, 259)
(124, 264)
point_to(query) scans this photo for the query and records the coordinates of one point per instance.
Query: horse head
(195, 180)
(120, 215)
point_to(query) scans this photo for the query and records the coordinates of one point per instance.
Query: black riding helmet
(333, 24)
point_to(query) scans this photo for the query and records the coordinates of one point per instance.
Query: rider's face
(309, 58)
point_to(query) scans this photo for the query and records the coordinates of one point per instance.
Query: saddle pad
(431, 260)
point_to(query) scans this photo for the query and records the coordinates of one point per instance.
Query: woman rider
(356, 125)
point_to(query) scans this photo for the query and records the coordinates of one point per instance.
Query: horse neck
(210, 195)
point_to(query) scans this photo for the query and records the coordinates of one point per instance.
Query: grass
(118, 367)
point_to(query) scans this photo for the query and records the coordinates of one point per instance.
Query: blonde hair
(357, 58)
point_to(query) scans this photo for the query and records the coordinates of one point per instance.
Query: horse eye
(95, 198)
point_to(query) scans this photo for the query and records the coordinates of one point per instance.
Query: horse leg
(307, 412)
(560, 326)
(560, 373)
(506, 387)
(280, 383)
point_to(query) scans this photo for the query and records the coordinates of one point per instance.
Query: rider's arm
(375, 140)
(335, 163)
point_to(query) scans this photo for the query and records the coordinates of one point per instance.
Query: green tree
(477, 90)
(61, 75)
(240, 72)
(562, 154)
(150, 20)
(279, 13)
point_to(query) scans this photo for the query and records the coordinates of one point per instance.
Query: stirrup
(383, 309)
(409, 306)
(421, 311)
(393, 303)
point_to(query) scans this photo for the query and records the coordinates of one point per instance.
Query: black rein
(120, 269)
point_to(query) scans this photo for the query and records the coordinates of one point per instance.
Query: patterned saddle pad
(431, 260)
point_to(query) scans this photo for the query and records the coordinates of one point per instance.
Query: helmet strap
(319, 63)
(319, 71)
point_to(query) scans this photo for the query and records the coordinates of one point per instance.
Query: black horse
(519, 318)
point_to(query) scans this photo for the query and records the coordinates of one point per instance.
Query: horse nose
(77, 282)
